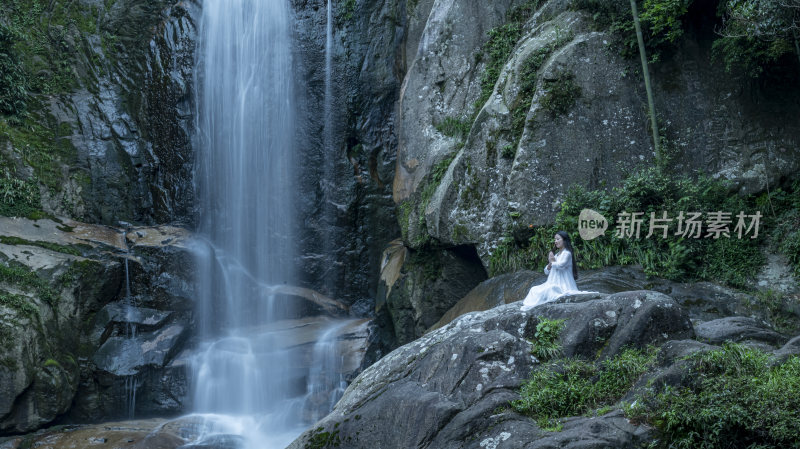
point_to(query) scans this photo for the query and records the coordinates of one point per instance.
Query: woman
(562, 272)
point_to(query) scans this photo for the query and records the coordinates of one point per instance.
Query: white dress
(560, 282)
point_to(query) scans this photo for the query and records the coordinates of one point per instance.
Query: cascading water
(131, 382)
(249, 383)
(244, 184)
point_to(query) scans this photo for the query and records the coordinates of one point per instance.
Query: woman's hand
(551, 258)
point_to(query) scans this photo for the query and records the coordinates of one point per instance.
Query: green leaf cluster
(18, 198)
(545, 345)
(752, 36)
(653, 189)
(500, 45)
(570, 387)
(732, 397)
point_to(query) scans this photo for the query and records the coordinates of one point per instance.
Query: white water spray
(247, 379)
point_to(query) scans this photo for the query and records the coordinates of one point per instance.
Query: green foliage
(545, 344)
(19, 276)
(728, 260)
(663, 18)
(453, 127)
(500, 45)
(782, 210)
(20, 304)
(661, 22)
(571, 387)
(18, 198)
(508, 151)
(561, 94)
(778, 310)
(756, 34)
(12, 77)
(748, 54)
(346, 10)
(40, 29)
(734, 398)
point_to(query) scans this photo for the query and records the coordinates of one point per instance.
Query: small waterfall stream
(131, 382)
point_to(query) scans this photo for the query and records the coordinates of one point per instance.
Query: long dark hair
(568, 247)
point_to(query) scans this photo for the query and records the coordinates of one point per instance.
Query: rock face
(444, 389)
(418, 287)
(88, 317)
(510, 167)
(123, 125)
(348, 214)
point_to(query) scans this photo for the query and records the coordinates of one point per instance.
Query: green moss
(8, 240)
(500, 46)
(561, 94)
(51, 363)
(733, 397)
(527, 85)
(460, 232)
(427, 260)
(21, 277)
(20, 304)
(40, 148)
(79, 269)
(320, 439)
(9, 363)
(572, 387)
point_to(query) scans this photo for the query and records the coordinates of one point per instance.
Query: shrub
(545, 344)
(18, 198)
(571, 387)
(734, 398)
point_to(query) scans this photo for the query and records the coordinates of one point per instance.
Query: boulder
(738, 329)
(443, 390)
(474, 188)
(80, 339)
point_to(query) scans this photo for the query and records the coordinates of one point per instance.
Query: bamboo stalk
(647, 87)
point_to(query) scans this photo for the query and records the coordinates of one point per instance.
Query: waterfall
(244, 185)
(131, 382)
(326, 384)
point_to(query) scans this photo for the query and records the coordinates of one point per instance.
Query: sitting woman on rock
(561, 274)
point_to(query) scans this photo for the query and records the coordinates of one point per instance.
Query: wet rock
(419, 286)
(65, 315)
(126, 356)
(443, 388)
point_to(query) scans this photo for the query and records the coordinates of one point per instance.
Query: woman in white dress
(561, 274)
